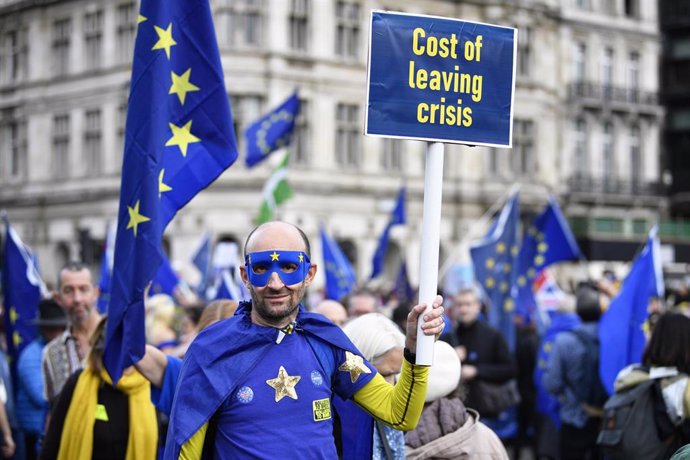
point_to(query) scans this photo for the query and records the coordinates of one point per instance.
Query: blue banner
(438, 79)
(178, 139)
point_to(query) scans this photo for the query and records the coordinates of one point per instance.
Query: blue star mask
(291, 266)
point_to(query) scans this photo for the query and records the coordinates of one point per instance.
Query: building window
(13, 161)
(347, 29)
(93, 34)
(635, 157)
(607, 72)
(92, 143)
(582, 4)
(301, 138)
(126, 27)
(524, 52)
(299, 25)
(392, 155)
(62, 30)
(580, 149)
(348, 151)
(580, 63)
(246, 109)
(240, 22)
(633, 76)
(608, 155)
(13, 56)
(632, 8)
(61, 128)
(523, 147)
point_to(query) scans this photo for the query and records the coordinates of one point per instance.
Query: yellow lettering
(467, 115)
(435, 80)
(478, 46)
(411, 75)
(421, 117)
(421, 79)
(477, 88)
(416, 34)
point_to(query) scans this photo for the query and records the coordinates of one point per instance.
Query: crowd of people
(317, 378)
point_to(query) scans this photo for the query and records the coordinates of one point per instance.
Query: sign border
(431, 139)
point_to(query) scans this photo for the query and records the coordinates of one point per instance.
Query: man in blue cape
(260, 384)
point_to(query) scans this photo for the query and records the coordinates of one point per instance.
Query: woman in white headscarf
(381, 343)
(447, 429)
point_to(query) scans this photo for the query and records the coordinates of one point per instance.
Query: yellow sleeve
(194, 447)
(398, 406)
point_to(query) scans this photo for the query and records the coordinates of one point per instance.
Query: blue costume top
(270, 398)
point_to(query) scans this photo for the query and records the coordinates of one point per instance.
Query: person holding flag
(262, 380)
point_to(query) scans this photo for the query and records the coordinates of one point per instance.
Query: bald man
(260, 383)
(332, 310)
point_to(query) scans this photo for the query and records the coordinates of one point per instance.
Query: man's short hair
(469, 290)
(307, 246)
(72, 266)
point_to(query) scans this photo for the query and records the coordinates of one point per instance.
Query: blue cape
(221, 357)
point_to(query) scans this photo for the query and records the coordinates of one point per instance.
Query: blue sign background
(393, 104)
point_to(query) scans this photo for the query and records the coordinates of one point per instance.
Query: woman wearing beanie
(447, 429)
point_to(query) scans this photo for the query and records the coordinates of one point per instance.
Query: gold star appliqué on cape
(354, 364)
(284, 384)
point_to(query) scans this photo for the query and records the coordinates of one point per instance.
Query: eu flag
(548, 240)
(546, 403)
(340, 277)
(493, 258)
(106, 273)
(178, 139)
(272, 131)
(621, 332)
(202, 261)
(22, 289)
(398, 217)
(166, 280)
(404, 291)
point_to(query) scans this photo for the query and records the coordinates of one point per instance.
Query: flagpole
(431, 226)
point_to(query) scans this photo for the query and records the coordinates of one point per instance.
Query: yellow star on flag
(141, 19)
(14, 316)
(538, 260)
(503, 287)
(16, 338)
(284, 384)
(514, 251)
(165, 40)
(531, 273)
(490, 263)
(162, 186)
(542, 247)
(506, 268)
(521, 281)
(135, 218)
(181, 85)
(182, 137)
(501, 248)
(508, 305)
(274, 256)
(490, 282)
(354, 364)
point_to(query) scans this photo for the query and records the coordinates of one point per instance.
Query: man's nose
(274, 282)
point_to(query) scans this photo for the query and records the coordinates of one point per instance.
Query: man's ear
(243, 274)
(310, 275)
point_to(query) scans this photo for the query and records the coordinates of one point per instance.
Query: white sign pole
(431, 227)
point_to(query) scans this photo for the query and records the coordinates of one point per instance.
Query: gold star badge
(284, 384)
(354, 364)
(274, 256)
